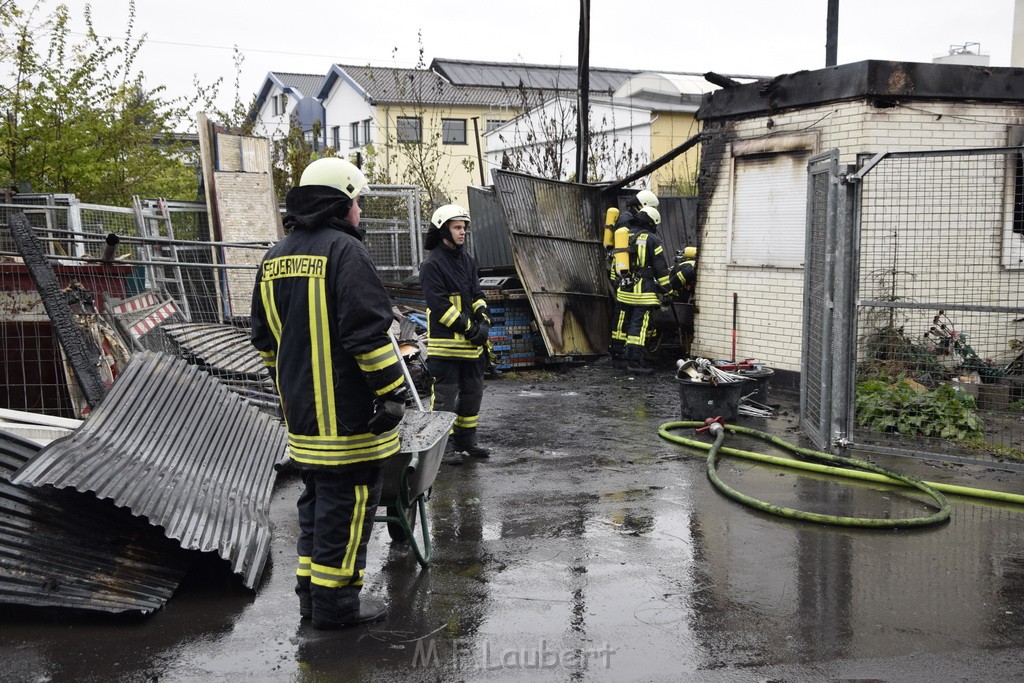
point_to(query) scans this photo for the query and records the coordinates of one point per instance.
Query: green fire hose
(861, 470)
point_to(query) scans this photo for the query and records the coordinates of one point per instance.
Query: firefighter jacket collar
(311, 207)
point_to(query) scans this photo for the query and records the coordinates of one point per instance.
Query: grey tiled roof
(305, 84)
(537, 76)
(409, 86)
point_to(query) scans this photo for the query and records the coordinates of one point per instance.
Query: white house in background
(284, 96)
(543, 140)
(411, 126)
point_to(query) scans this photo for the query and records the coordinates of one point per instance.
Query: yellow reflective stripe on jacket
(269, 358)
(270, 308)
(304, 564)
(390, 387)
(449, 317)
(342, 450)
(378, 359)
(322, 363)
(644, 299)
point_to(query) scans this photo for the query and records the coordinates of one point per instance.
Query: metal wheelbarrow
(409, 474)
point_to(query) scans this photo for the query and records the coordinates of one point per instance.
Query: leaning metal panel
(554, 229)
(815, 376)
(68, 550)
(173, 445)
(940, 305)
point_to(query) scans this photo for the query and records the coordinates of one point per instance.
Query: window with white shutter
(769, 201)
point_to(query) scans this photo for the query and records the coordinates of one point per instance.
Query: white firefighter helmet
(448, 212)
(690, 253)
(653, 214)
(647, 198)
(334, 172)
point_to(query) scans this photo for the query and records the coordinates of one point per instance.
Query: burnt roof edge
(868, 79)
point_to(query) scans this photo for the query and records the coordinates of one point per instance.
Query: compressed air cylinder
(610, 217)
(622, 250)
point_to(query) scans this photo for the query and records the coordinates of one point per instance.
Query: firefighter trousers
(458, 388)
(336, 511)
(637, 320)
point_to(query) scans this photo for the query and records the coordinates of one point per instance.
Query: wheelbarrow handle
(405, 371)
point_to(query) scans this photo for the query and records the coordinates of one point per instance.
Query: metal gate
(914, 305)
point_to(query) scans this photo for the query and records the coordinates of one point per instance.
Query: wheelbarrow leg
(401, 526)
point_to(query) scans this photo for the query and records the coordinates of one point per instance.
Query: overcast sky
(188, 38)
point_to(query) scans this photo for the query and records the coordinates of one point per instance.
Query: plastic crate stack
(511, 334)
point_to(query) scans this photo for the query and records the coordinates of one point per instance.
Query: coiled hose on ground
(863, 470)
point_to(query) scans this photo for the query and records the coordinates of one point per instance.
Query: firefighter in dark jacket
(457, 329)
(641, 287)
(617, 348)
(683, 275)
(320, 321)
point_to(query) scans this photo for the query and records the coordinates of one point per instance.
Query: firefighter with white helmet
(641, 286)
(617, 240)
(320, 321)
(457, 329)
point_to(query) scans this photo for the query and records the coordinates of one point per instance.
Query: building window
(366, 132)
(494, 123)
(453, 131)
(769, 201)
(353, 131)
(409, 129)
(312, 140)
(275, 105)
(336, 137)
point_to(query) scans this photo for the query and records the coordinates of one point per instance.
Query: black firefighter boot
(468, 445)
(302, 589)
(342, 607)
(450, 455)
(635, 364)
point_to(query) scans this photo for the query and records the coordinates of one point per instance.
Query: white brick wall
(770, 300)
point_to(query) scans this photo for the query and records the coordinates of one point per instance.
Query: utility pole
(583, 99)
(832, 33)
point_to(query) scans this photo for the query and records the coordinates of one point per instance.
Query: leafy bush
(899, 407)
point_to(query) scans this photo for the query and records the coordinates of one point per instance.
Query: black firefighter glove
(388, 411)
(478, 333)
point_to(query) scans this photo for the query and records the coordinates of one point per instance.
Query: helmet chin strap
(446, 237)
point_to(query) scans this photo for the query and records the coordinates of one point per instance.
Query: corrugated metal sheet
(65, 549)
(173, 445)
(490, 243)
(678, 227)
(221, 349)
(554, 229)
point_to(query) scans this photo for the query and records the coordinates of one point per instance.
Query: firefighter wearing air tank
(643, 278)
(457, 329)
(320, 321)
(616, 241)
(683, 276)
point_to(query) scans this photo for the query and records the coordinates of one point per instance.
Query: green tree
(80, 119)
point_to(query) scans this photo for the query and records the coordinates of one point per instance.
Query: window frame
(446, 127)
(353, 134)
(401, 132)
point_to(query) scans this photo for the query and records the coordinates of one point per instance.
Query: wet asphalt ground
(590, 549)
